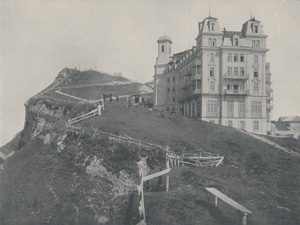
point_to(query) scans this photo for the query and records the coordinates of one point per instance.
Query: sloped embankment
(68, 177)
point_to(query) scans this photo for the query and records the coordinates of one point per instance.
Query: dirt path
(272, 143)
(71, 96)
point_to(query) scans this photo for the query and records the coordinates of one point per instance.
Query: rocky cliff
(54, 175)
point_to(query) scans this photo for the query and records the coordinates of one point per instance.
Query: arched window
(162, 48)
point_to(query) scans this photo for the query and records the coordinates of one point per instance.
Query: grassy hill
(61, 176)
(255, 174)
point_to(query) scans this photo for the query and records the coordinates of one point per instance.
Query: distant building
(286, 126)
(117, 74)
(224, 79)
(150, 84)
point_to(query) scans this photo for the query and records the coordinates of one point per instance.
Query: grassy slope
(290, 143)
(97, 92)
(91, 77)
(254, 174)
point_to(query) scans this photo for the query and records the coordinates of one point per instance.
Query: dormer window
(162, 48)
(255, 29)
(236, 42)
(212, 27)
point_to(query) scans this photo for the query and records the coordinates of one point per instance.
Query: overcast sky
(39, 38)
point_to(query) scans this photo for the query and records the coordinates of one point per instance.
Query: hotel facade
(224, 79)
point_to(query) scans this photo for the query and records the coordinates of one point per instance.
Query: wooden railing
(229, 201)
(92, 113)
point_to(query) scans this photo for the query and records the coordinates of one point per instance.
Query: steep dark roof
(229, 34)
(289, 119)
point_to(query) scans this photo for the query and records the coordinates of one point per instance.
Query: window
(236, 42)
(212, 71)
(173, 79)
(168, 80)
(230, 109)
(242, 88)
(235, 58)
(242, 57)
(236, 71)
(229, 57)
(211, 85)
(209, 41)
(228, 86)
(256, 125)
(162, 48)
(173, 99)
(255, 29)
(255, 73)
(235, 88)
(229, 123)
(212, 106)
(255, 87)
(168, 90)
(253, 44)
(242, 125)
(229, 71)
(241, 108)
(214, 42)
(256, 107)
(212, 26)
(212, 57)
(173, 89)
(242, 71)
(257, 44)
(255, 59)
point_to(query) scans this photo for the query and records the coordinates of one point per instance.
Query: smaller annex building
(224, 79)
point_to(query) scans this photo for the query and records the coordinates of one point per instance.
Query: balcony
(197, 91)
(269, 91)
(235, 77)
(269, 106)
(255, 116)
(198, 63)
(268, 80)
(197, 76)
(236, 92)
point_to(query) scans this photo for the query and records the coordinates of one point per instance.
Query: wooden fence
(92, 113)
(197, 158)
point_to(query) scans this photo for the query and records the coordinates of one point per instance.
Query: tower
(164, 56)
(164, 53)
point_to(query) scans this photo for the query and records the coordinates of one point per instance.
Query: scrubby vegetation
(65, 176)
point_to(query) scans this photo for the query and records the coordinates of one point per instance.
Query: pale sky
(39, 38)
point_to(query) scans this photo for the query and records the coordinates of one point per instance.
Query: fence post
(168, 175)
(244, 220)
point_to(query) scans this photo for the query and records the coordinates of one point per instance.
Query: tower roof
(164, 38)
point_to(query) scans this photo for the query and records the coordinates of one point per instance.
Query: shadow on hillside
(215, 212)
